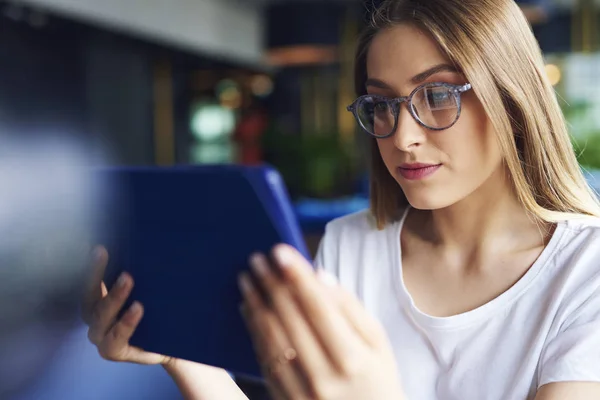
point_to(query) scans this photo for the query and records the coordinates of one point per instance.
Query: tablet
(185, 234)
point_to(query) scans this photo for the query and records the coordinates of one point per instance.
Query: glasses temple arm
(464, 88)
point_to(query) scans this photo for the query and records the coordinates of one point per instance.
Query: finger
(275, 355)
(252, 306)
(363, 323)
(115, 346)
(325, 317)
(302, 337)
(106, 311)
(115, 343)
(93, 290)
(104, 289)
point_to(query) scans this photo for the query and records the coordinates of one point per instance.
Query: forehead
(401, 52)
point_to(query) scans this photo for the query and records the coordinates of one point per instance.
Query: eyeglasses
(435, 106)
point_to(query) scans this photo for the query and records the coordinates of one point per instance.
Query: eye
(381, 107)
(439, 98)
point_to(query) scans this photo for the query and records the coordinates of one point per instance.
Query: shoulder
(581, 236)
(348, 237)
(577, 249)
(357, 230)
(583, 223)
(574, 298)
(355, 223)
(576, 267)
(347, 229)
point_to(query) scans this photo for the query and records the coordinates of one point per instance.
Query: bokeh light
(554, 74)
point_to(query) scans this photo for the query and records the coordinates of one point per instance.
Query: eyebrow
(419, 78)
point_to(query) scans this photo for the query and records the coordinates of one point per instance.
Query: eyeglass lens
(435, 106)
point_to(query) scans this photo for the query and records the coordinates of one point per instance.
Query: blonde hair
(492, 44)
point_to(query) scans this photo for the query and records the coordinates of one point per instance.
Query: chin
(428, 201)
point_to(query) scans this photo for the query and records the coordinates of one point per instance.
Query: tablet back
(185, 234)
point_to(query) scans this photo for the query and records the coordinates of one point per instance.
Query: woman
(477, 266)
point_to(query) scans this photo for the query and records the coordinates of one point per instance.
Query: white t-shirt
(546, 328)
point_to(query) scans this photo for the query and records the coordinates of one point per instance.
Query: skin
(465, 224)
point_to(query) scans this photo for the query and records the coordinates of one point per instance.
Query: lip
(417, 171)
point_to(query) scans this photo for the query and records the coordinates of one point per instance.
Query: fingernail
(245, 283)
(135, 308)
(259, 264)
(122, 281)
(327, 278)
(283, 256)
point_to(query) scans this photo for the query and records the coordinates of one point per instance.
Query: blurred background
(165, 82)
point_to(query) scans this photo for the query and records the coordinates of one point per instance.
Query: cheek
(472, 145)
(387, 150)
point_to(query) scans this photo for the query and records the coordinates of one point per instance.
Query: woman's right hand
(101, 307)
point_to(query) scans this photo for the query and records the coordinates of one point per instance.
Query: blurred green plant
(314, 165)
(588, 150)
(585, 136)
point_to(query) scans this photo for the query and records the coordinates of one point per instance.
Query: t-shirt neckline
(483, 312)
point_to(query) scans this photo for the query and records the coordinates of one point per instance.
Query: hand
(111, 336)
(314, 340)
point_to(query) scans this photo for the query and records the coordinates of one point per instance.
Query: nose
(409, 133)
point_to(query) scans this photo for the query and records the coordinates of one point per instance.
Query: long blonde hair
(492, 44)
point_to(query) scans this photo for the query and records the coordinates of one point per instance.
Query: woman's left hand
(313, 339)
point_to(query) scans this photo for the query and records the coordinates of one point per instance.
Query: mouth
(415, 172)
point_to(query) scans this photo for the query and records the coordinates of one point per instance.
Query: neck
(490, 219)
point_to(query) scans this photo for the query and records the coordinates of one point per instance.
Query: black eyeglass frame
(395, 103)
